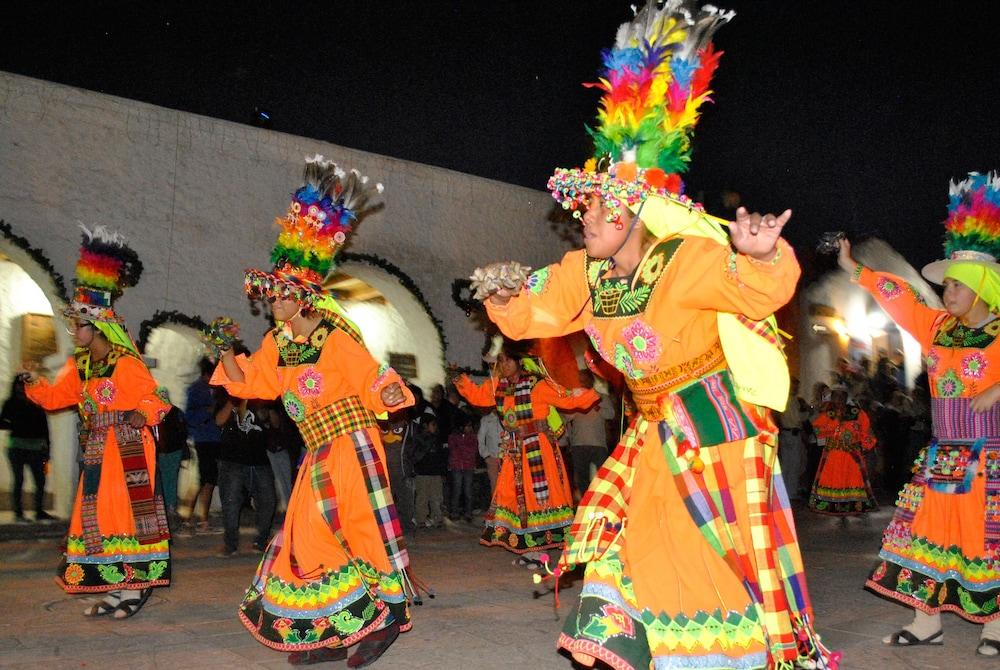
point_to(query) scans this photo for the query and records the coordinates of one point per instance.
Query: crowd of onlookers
(900, 420)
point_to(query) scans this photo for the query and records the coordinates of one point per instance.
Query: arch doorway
(31, 328)
(398, 328)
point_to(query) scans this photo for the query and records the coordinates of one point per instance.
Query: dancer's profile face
(83, 333)
(601, 237)
(509, 367)
(958, 297)
(283, 310)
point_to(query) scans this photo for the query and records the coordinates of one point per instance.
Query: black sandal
(321, 655)
(373, 646)
(132, 606)
(103, 607)
(905, 638)
(987, 643)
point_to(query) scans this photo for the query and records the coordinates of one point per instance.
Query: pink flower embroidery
(889, 289)
(595, 337)
(642, 342)
(974, 365)
(310, 383)
(105, 392)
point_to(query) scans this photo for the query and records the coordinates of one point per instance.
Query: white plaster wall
(196, 198)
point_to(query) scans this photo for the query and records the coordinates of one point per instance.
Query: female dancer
(334, 575)
(533, 501)
(118, 540)
(940, 552)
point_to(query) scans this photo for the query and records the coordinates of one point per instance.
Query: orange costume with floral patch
(842, 486)
(659, 588)
(335, 572)
(941, 550)
(118, 537)
(533, 502)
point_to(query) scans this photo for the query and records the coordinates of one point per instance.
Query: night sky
(854, 114)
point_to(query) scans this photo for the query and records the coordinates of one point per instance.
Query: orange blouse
(664, 315)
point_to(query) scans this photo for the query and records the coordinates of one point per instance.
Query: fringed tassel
(413, 587)
(812, 653)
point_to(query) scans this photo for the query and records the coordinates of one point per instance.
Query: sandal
(132, 606)
(104, 607)
(905, 638)
(373, 646)
(321, 655)
(987, 643)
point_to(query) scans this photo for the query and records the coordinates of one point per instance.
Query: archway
(395, 319)
(32, 295)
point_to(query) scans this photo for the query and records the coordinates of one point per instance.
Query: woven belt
(103, 420)
(648, 392)
(339, 418)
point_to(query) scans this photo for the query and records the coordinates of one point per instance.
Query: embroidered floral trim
(653, 268)
(537, 281)
(310, 383)
(949, 385)
(889, 289)
(162, 393)
(642, 342)
(384, 371)
(319, 335)
(623, 361)
(932, 361)
(974, 365)
(73, 575)
(858, 269)
(595, 338)
(105, 392)
(293, 406)
(89, 406)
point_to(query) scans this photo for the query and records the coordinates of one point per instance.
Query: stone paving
(487, 613)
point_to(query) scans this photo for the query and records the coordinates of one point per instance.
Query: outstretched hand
(28, 372)
(756, 235)
(844, 258)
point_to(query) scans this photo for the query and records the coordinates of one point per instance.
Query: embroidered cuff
(856, 275)
(773, 261)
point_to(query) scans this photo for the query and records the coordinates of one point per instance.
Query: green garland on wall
(37, 256)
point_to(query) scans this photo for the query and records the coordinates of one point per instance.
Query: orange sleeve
(65, 391)
(824, 426)
(903, 304)
(710, 275)
(480, 395)
(550, 304)
(866, 438)
(260, 372)
(138, 390)
(363, 373)
(554, 395)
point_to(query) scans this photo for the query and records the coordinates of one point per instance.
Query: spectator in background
(171, 448)
(462, 450)
(488, 437)
(203, 403)
(444, 410)
(28, 446)
(430, 464)
(283, 446)
(587, 434)
(397, 433)
(245, 471)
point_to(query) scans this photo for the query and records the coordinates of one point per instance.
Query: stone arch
(425, 331)
(32, 266)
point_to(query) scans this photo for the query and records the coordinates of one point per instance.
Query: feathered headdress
(107, 266)
(972, 229)
(321, 216)
(654, 80)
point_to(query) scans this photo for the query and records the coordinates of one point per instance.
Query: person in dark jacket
(28, 447)
(430, 463)
(171, 447)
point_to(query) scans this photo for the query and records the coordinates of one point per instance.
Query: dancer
(118, 541)
(334, 575)
(691, 555)
(533, 501)
(842, 486)
(940, 552)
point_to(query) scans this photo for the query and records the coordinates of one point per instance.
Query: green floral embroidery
(623, 361)
(954, 335)
(538, 280)
(296, 410)
(949, 385)
(619, 297)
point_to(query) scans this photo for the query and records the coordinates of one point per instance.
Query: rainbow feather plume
(654, 81)
(973, 222)
(106, 263)
(321, 216)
